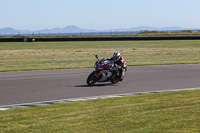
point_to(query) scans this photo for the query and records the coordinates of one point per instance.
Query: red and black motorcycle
(105, 70)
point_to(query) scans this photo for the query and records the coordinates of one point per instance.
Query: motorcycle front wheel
(91, 80)
(115, 80)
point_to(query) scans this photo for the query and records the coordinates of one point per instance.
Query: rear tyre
(91, 80)
(115, 80)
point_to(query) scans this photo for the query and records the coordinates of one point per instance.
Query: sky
(98, 14)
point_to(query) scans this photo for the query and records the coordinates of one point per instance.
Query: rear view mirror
(97, 56)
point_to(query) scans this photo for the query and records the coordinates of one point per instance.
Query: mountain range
(75, 29)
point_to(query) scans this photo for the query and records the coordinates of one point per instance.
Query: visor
(115, 57)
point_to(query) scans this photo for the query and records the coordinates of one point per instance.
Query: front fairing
(101, 64)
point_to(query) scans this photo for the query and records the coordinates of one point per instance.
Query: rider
(120, 62)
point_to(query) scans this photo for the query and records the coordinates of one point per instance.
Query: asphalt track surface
(46, 85)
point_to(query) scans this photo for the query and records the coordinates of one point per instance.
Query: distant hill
(75, 29)
(8, 30)
(67, 29)
(13, 31)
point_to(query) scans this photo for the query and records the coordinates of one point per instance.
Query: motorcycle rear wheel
(91, 80)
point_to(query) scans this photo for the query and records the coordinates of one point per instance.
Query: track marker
(25, 105)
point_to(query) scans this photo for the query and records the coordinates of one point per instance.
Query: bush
(187, 31)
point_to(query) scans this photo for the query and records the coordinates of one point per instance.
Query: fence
(71, 33)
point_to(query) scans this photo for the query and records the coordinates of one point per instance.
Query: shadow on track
(96, 85)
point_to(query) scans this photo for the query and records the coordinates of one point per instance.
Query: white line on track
(25, 105)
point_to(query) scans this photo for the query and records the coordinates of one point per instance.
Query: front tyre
(115, 80)
(91, 80)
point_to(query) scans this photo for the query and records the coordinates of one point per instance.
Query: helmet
(116, 56)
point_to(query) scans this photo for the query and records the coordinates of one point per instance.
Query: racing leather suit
(120, 62)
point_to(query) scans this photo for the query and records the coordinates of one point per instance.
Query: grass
(16, 56)
(162, 112)
(170, 33)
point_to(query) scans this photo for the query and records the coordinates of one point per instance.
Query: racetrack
(45, 85)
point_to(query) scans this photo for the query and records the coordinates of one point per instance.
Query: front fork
(96, 73)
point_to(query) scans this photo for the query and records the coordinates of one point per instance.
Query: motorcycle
(105, 70)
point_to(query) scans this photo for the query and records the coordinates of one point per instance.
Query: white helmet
(116, 56)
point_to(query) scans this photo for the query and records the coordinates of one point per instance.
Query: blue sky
(98, 14)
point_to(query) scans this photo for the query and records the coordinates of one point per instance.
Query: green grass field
(16, 56)
(175, 112)
(164, 112)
